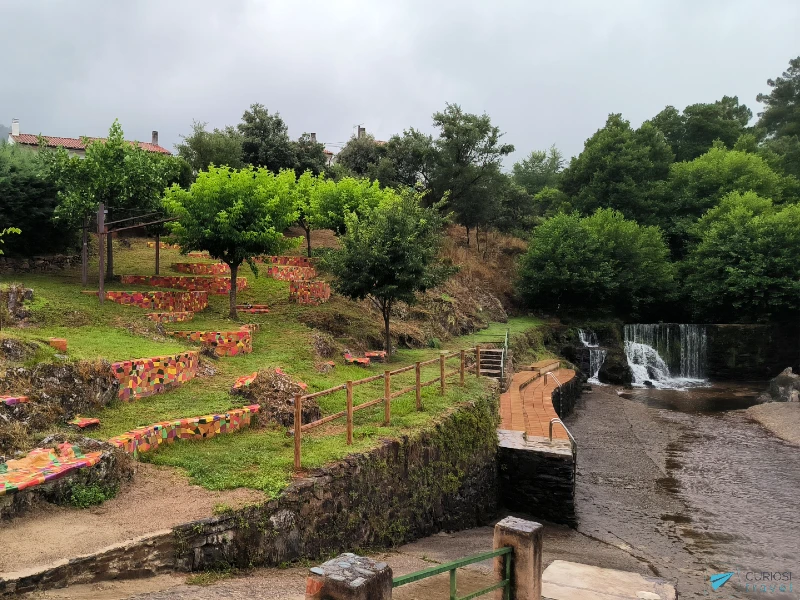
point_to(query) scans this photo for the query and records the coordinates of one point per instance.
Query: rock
(615, 369)
(783, 388)
(648, 383)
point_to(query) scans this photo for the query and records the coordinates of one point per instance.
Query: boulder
(783, 388)
(615, 369)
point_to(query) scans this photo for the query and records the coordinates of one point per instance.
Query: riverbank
(780, 418)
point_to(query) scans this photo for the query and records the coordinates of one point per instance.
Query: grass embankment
(260, 459)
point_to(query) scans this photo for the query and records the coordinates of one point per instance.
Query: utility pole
(101, 239)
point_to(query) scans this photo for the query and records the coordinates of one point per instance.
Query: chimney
(15, 127)
(155, 138)
(362, 131)
(313, 137)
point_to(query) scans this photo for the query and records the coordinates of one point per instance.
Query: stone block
(59, 344)
(525, 537)
(350, 577)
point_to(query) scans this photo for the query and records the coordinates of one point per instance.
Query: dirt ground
(560, 543)
(781, 418)
(158, 498)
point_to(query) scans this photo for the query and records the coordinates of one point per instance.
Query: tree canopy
(234, 215)
(265, 139)
(220, 147)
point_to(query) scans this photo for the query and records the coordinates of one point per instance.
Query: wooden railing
(386, 399)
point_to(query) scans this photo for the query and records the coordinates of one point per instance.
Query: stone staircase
(492, 362)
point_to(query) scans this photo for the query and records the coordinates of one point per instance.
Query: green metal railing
(505, 584)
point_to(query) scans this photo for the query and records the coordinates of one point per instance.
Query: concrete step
(564, 580)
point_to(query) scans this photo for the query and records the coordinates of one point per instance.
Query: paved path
(530, 409)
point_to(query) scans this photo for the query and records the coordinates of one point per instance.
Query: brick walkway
(531, 408)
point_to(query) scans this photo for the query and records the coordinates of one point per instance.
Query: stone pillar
(525, 537)
(350, 577)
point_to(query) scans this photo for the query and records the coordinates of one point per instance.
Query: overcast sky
(546, 72)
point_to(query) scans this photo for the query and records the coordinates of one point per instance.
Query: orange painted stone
(59, 344)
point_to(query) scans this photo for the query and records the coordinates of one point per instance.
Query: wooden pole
(461, 368)
(101, 241)
(477, 360)
(349, 413)
(442, 381)
(298, 418)
(387, 398)
(419, 387)
(158, 252)
(85, 253)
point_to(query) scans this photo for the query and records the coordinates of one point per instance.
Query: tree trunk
(110, 258)
(387, 340)
(477, 239)
(232, 294)
(467, 228)
(308, 240)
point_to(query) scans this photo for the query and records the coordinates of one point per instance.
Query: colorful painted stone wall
(144, 377)
(150, 437)
(164, 246)
(162, 301)
(294, 261)
(13, 400)
(309, 292)
(42, 465)
(224, 343)
(202, 268)
(290, 273)
(171, 317)
(212, 285)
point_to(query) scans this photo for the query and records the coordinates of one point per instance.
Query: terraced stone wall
(144, 377)
(224, 343)
(309, 292)
(212, 285)
(291, 273)
(202, 268)
(162, 301)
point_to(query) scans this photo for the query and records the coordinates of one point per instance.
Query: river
(686, 482)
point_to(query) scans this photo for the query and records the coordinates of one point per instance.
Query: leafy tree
(123, 176)
(307, 189)
(266, 140)
(467, 157)
(361, 155)
(389, 254)
(781, 116)
(515, 208)
(331, 201)
(309, 156)
(743, 263)
(221, 147)
(539, 170)
(619, 168)
(550, 201)
(28, 202)
(692, 133)
(234, 216)
(407, 160)
(600, 263)
(4, 232)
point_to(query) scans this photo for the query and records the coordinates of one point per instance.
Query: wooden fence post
(387, 397)
(461, 368)
(477, 360)
(442, 380)
(419, 387)
(101, 256)
(349, 413)
(298, 418)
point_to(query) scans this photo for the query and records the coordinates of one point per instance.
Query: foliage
(539, 170)
(234, 216)
(601, 263)
(619, 168)
(220, 147)
(309, 155)
(361, 155)
(390, 253)
(407, 160)
(743, 263)
(331, 201)
(84, 496)
(693, 133)
(781, 117)
(5, 231)
(28, 202)
(265, 140)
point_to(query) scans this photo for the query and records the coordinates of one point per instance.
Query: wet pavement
(686, 482)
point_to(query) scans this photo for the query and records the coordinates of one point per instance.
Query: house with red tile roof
(75, 146)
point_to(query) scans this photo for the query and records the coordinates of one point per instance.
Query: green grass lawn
(260, 459)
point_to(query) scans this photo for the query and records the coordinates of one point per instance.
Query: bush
(84, 496)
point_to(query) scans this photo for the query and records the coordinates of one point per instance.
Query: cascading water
(596, 354)
(667, 355)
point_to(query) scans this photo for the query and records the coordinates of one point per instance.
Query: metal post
(417, 369)
(85, 253)
(349, 413)
(298, 417)
(387, 397)
(461, 368)
(477, 360)
(442, 381)
(101, 242)
(158, 252)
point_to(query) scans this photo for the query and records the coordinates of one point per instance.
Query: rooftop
(76, 143)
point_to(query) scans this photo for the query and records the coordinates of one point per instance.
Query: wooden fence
(385, 399)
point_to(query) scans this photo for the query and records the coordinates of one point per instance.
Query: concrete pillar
(525, 537)
(350, 577)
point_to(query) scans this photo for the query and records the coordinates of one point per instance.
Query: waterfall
(666, 354)
(596, 354)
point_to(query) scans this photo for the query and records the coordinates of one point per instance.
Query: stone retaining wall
(161, 301)
(443, 478)
(142, 377)
(309, 292)
(201, 268)
(291, 273)
(212, 285)
(224, 343)
(39, 264)
(293, 261)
